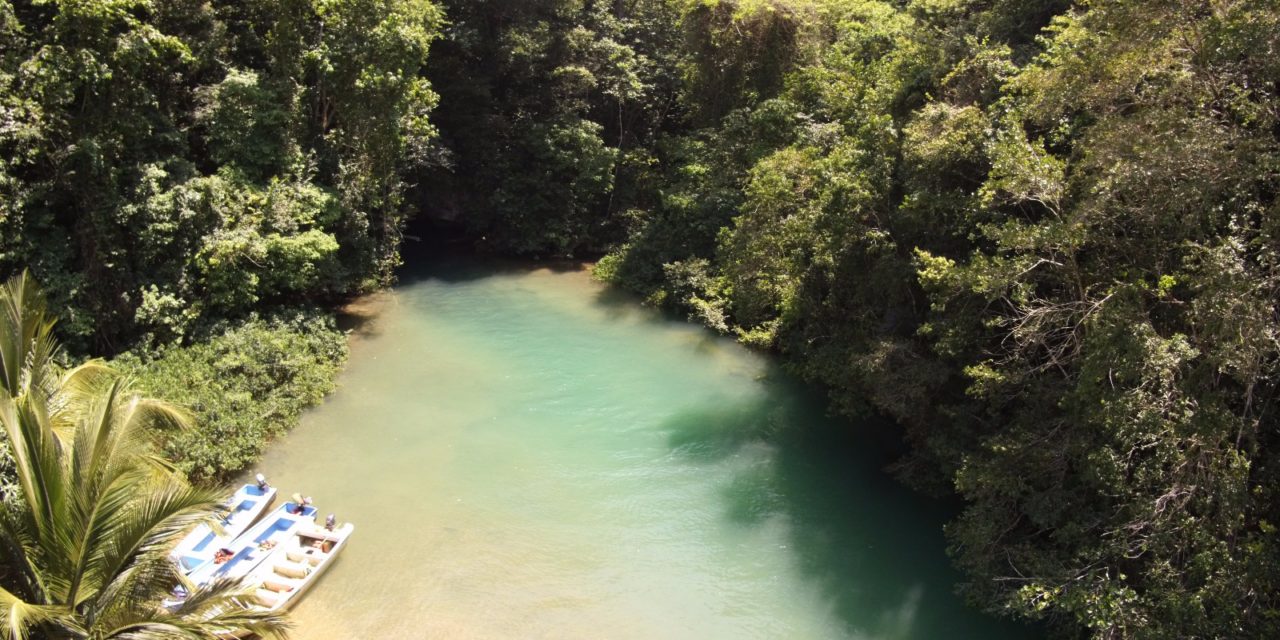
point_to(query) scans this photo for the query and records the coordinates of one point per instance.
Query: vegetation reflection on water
(527, 455)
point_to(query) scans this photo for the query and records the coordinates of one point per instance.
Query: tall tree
(168, 164)
(86, 540)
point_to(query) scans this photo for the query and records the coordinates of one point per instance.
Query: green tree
(216, 157)
(86, 542)
(1117, 317)
(1041, 236)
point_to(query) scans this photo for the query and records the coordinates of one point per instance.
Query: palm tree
(85, 539)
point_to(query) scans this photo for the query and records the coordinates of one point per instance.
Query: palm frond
(158, 519)
(133, 593)
(228, 604)
(144, 417)
(18, 548)
(221, 608)
(18, 617)
(100, 511)
(159, 629)
(37, 461)
(78, 391)
(27, 346)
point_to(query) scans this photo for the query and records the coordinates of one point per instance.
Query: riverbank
(245, 383)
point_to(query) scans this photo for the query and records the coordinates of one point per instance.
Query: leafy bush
(246, 384)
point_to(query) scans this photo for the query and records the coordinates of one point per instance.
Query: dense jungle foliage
(192, 181)
(1041, 235)
(166, 163)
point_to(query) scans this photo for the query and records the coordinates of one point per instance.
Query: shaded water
(527, 456)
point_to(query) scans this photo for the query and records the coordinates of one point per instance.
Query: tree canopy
(1040, 235)
(168, 162)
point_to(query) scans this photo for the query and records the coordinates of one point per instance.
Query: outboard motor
(330, 522)
(300, 504)
(262, 482)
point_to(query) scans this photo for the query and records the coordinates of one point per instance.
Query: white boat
(245, 506)
(244, 553)
(282, 579)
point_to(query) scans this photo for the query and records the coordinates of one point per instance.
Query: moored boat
(246, 506)
(280, 581)
(246, 552)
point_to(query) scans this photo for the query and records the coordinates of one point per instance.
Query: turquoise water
(526, 455)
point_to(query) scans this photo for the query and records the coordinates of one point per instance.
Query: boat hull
(246, 507)
(300, 550)
(310, 551)
(253, 547)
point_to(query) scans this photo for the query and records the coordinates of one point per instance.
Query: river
(528, 455)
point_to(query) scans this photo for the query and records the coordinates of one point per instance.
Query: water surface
(526, 455)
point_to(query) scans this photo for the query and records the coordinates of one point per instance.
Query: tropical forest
(640, 319)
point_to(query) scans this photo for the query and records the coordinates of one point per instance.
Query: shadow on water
(873, 548)
(361, 316)
(458, 266)
(619, 304)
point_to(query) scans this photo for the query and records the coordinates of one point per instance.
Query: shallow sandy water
(526, 455)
